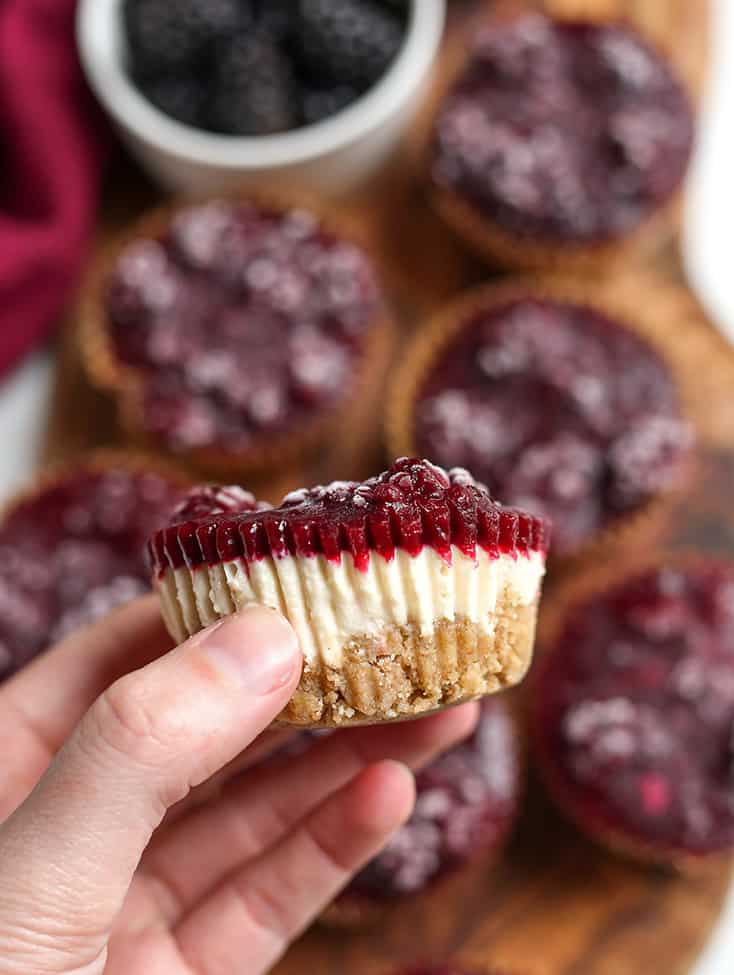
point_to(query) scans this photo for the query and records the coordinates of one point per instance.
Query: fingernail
(256, 648)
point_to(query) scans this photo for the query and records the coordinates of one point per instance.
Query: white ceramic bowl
(332, 156)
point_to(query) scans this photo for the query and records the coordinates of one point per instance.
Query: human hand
(110, 860)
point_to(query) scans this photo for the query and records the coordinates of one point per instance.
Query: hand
(111, 861)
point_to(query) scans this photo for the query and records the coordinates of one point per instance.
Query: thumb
(68, 854)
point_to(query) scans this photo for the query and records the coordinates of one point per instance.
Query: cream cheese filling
(330, 603)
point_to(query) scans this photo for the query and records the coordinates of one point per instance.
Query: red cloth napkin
(51, 147)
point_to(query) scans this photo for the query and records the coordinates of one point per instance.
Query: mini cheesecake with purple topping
(634, 708)
(72, 548)
(410, 591)
(560, 143)
(568, 402)
(235, 334)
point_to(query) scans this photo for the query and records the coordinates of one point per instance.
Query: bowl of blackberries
(210, 93)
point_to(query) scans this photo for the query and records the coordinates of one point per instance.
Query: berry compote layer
(559, 410)
(72, 552)
(412, 506)
(563, 131)
(635, 712)
(243, 323)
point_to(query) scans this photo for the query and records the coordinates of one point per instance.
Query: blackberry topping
(253, 90)
(350, 41)
(174, 34)
(73, 552)
(636, 711)
(563, 131)
(561, 479)
(242, 322)
(210, 500)
(645, 459)
(412, 505)
(560, 410)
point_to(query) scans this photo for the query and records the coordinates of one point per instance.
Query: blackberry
(166, 35)
(275, 18)
(321, 103)
(253, 91)
(180, 97)
(351, 42)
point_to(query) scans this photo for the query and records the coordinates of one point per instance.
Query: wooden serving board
(555, 905)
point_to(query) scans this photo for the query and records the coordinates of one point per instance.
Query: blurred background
(102, 132)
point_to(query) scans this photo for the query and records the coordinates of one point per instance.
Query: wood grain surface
(555, 905)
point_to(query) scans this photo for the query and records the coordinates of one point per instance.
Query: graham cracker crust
(405, 674)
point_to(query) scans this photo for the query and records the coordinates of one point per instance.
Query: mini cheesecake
(560, 143)
(568, 402)
(236, 333)
(409, 592)
(72, 548)
(634, 708)
(466, 804)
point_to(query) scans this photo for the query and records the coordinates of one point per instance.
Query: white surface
(331, 157)
(710, 211)
(710, 201)
(23, 398)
